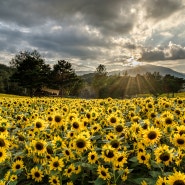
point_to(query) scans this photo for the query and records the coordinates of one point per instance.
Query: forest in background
(28, 73)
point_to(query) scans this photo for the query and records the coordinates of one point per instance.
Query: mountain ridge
(141, 69)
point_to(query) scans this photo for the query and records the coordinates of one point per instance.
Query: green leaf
(99, 181)
(12, 183)
(155, 174)
(133, 159)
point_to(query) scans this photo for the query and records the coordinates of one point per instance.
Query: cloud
(170, 52)
(92, 32)
(157, 9)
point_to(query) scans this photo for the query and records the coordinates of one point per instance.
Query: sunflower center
(103, 173)
(152, 135)
(80, 143)
(164, 157)
(2, 143)
(38, 124)
(37, 174)
(120, 159)
(143, 158)
(2, 129)
(69, 170)
(119, 128)
(39, 146)
(168, 121)
(18, 166)
(182, 132)
(180, 141)
(179, 182)
(54, 181)
(109, 154)
(153, 115)
(67, 152)
(113, 120)
(1, 154)
(92, 157)
(75, 125)
(56, 164)
(50, 118)
(114, 144)
(58, 119)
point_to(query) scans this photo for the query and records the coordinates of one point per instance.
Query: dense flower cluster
(107, 141)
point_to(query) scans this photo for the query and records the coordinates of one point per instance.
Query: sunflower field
(55, 141)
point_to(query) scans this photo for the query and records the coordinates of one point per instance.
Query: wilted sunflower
(151, 136)
(103, 173)
(36, 174)
(56, 163)
(54, 180)
(92, 157)
(3, 155)
(177, 178)
(17, 165)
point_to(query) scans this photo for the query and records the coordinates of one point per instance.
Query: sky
(86, 33)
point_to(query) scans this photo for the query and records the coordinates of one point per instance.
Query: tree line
(28, 74)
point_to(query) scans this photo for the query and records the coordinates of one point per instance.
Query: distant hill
(143, 69)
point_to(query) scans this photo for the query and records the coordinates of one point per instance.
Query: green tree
(100, 81)
(64, 77)
(31, 72)
(172, 84)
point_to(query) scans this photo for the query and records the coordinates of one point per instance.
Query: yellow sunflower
(69, 170)
(2, 182)
(144, 158)
(177, 178)
(151, 136)
(103, 173)
(56, 163)
(178, 140)
(54, 180)
(39, 124)
(108, 153)
(92, 157)
(37, 174)
(161, 181)
(81, 143)
(163, 154)
(3, 155)
(17, 165)
(4, 143)
(39, 146)
(120, 159)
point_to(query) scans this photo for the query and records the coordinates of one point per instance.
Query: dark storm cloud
(107, 15)
(160, 9)
(170, 52)
(89, 30)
